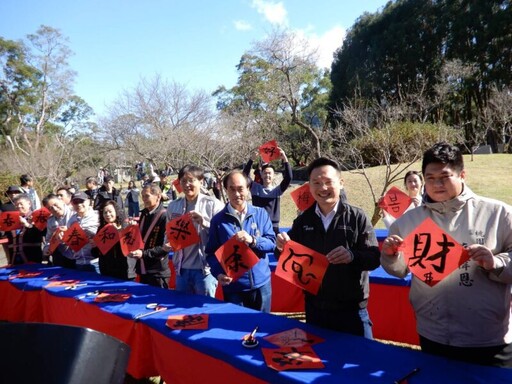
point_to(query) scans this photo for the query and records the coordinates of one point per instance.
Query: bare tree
(370, 134)
(163, 123)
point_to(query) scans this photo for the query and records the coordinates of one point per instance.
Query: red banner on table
(302, 266)
(106, 238)
(10, 220)
(187, 321)
(181, 232)
(105, 297)
(395, 202)
(62, 283)
(177, 185)
(25, 275)
(302, 197)
(40, 218)
(431, 253)
(269, 151)
(295, 337)
(236, 258)
(75, 237)
(130, 239)
(283, 359)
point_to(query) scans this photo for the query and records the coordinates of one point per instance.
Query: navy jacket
(257, 223)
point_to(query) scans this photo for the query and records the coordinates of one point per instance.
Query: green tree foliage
(280, 90)
(18, 84)
(44, 125)
(460, 45)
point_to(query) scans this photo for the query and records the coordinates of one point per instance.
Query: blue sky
(191, 42)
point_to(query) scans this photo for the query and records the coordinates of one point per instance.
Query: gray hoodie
(471, 307)
(89, 223)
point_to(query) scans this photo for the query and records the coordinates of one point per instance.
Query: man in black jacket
(344, 234)
(108, 192)
(153, 261)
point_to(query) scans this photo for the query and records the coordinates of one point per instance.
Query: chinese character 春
(74, 238)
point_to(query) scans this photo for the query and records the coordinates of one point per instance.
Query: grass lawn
(486, 175)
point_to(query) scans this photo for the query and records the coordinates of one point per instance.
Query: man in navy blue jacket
(250, 225)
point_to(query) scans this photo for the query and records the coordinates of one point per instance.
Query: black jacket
(156, 260)
(103, 196)
(344, 285)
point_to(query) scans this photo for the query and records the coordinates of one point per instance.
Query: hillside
(487, 175)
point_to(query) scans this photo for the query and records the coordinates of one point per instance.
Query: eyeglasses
(188, 181)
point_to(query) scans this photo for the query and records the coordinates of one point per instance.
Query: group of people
(470, 322)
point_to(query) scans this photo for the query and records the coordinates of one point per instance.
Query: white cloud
(326, 44)
(242, 25)
(275, 13)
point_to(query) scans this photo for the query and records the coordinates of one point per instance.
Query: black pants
(62, 261)
(155, 281)
(342, 320)
(498, 356)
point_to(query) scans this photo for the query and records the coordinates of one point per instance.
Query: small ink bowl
(250, 342)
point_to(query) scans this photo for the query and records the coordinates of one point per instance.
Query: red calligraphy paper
(181, 232)
(269, 151)
(395, 202)
(40, 218)
(130, 239)
(106, 238)
(286, 358)
(302, 266)
(54, 241)
(62, 283)
(112, 297)
(431, 254)
(75, 237)
(177, 185)
(295, 337)
(187, 321)
(236, 258)
(10, 221)
(25, 275)
(302, 197)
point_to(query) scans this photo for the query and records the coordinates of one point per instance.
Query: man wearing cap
(10, 193)
(89, 221)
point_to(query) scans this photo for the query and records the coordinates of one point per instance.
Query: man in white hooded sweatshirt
(466, 316)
